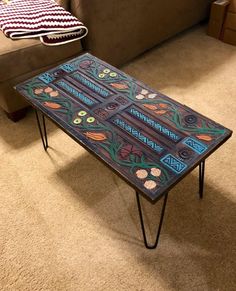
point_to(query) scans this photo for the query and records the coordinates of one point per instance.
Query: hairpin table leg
(43, 133)
(148, 246)
(201, 178)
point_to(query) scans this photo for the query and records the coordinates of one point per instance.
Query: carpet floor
(68, 223)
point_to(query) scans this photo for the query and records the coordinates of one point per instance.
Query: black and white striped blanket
(39, 18)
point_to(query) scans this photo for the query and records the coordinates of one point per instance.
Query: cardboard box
(230, 21)
(217, 17)
(229, 36)
(232, 7)
(229, 30)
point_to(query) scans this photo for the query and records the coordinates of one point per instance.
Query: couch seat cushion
(22, 56)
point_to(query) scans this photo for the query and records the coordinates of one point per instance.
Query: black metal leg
(201, 178)
(43, 133)
(160, 222)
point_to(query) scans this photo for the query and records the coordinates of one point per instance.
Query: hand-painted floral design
(157, 108)
(119, 86)
(106, 73)
(150, 184)
(113, 74)
(38, 91)
(145, 94)
(155, 172)
(121, 93)
(162, 105)
(82, 113)
(150, 106)
(149, 175)
(85, 64)
(141, 174)
(54, 93)
(52, 105)
(128, 150)
(204, 137)
(90, 119)
(139, 97)
(97, 136)
(101, 75)
(48, 90)
(82, 117)
(151, 96)
(77, 120)
(160, 112)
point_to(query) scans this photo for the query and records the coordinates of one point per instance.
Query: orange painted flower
(98, 136)
(155, 172)
(150, 106)
(150, 184)
(48, 90)
(204, 137)
(52, 105)
(141, 174)
(119, 86)
(54, 93)
(163, 105)
(38, 91)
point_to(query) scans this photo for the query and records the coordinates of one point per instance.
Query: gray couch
(119, 30)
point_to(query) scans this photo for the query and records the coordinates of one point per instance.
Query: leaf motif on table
(119, 86)
(204, 137)
(150, 106)
(98, 136)
(52, 105)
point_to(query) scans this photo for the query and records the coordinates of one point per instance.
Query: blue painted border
(195, 145)
(173, 163)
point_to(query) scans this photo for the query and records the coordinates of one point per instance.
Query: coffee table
(145, 137)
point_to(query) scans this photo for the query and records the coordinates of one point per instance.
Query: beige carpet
(69, 223)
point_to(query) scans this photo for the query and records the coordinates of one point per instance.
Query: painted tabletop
(147, 138)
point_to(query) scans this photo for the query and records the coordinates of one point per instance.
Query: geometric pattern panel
(173, 163)
(195, 145)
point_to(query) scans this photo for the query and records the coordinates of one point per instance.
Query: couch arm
(119, 30)
(64, 3)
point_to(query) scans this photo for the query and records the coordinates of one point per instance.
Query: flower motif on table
(158, 108)
(141, 173)
(119, 86)
(48, 90)
(107, 73)
(149, 175)
(155, 172)
(96, 136)
(150, 184)
(204, 137)
(38, 91)
(52, 105)
(83, 117)
(128, 150)
(145, 94)
(86, 64)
